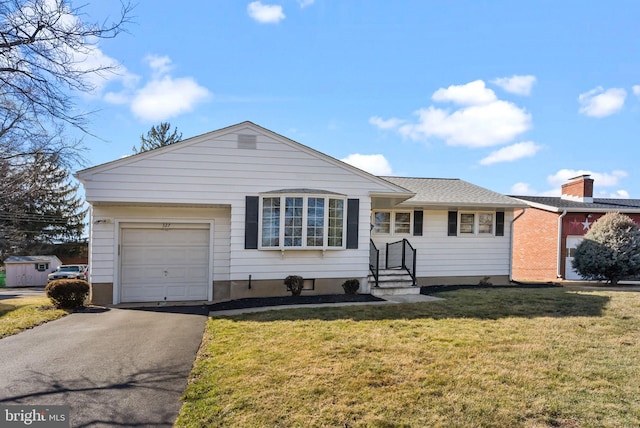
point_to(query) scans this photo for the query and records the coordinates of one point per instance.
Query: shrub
(610, 249)
(351, 286)
(294, 284)
(67, 293)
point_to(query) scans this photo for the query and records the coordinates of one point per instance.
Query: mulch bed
(257, 302)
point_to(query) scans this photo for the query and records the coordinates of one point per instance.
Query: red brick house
(546, 233)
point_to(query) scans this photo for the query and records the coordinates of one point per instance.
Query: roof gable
(243, 156)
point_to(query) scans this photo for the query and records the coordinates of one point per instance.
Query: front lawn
(25, 312)
(504, 357)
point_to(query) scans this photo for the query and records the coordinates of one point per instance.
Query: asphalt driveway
(116, 367)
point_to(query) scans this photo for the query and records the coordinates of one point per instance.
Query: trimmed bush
(67, 293)
(351, 286)
(610, 250)
(294, 284)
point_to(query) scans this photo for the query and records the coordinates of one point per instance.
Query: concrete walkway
(115, 367)
(401, 298)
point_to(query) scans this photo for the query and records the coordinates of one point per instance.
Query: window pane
(382, 222)
(336, 222)
(315, 222)
(402, 223)
(466, 223)
(485, 223)
(271, 222)
(293, 222)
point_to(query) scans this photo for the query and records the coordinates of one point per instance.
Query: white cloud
(519, 85)
(522, 189)
(482, 121)
(305, 3)
(373, 164)
(167, 97)
(636, 90)
(385, 124)
(601, 179)
(473, 93)
(599, 102)
(265, 13)
(618, 194)
(512, 153)
(485, 125)
(163, 96)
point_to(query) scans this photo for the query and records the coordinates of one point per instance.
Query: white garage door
(164, 262)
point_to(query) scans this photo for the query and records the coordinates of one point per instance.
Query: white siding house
(231, 213)
(29, 271)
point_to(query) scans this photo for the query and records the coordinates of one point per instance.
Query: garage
(164, 262)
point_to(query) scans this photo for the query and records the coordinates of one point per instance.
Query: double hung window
(392, 222)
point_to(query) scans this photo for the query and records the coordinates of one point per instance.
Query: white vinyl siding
(466, 255)
(211, 170)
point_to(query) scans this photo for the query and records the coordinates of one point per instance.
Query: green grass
(481, 358)
(22, 313)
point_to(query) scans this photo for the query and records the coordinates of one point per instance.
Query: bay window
(302, 221)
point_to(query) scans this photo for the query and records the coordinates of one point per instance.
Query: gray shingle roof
(452, 192)
(598, 204)
(29, 259)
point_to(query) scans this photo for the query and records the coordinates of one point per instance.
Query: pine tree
(40, 206)
(158, 136)
(610, 249)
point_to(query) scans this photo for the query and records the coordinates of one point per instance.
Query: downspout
(558, 273)
(511, 243)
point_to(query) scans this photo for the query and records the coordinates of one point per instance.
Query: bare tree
(45, 51)
(158, 136)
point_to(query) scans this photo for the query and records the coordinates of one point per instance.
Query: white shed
(29, 271)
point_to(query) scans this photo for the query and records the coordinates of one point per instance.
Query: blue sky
(516, 97)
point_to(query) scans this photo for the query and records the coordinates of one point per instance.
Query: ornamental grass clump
(294, 284)
(67, 293)
(351, 286)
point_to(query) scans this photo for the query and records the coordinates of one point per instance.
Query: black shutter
(251, 222)
(417, 223)
(453, 223)
(500, 223)
(353, 214)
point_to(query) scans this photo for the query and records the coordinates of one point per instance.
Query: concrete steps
(392, 282)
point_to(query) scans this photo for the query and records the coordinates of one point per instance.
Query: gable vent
(247, 141)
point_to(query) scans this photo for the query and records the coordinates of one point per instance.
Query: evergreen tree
(610, 249)
(158, 136)
(40, 206)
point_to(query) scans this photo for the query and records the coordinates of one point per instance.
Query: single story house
(229, 214)
(29, 271)
(547, 232)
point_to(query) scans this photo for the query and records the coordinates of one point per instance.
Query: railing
(401, 255)
(374, 260)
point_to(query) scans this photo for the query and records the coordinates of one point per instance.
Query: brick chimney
(578, 189)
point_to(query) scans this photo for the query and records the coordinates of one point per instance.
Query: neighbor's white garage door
(164, 262)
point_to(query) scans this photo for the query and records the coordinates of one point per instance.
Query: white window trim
(476, 224)
(392, 224)
(305, 208)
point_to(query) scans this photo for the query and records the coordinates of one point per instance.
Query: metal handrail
(374, 260)
(397, 254)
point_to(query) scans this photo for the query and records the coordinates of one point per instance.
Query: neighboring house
(231, 213)
(548, 231)
(29, 271)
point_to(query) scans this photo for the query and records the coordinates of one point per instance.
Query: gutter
(511, 243)
(559, 264)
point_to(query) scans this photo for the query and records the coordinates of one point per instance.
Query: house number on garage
(166, 226)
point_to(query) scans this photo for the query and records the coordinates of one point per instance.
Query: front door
(569, 272)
